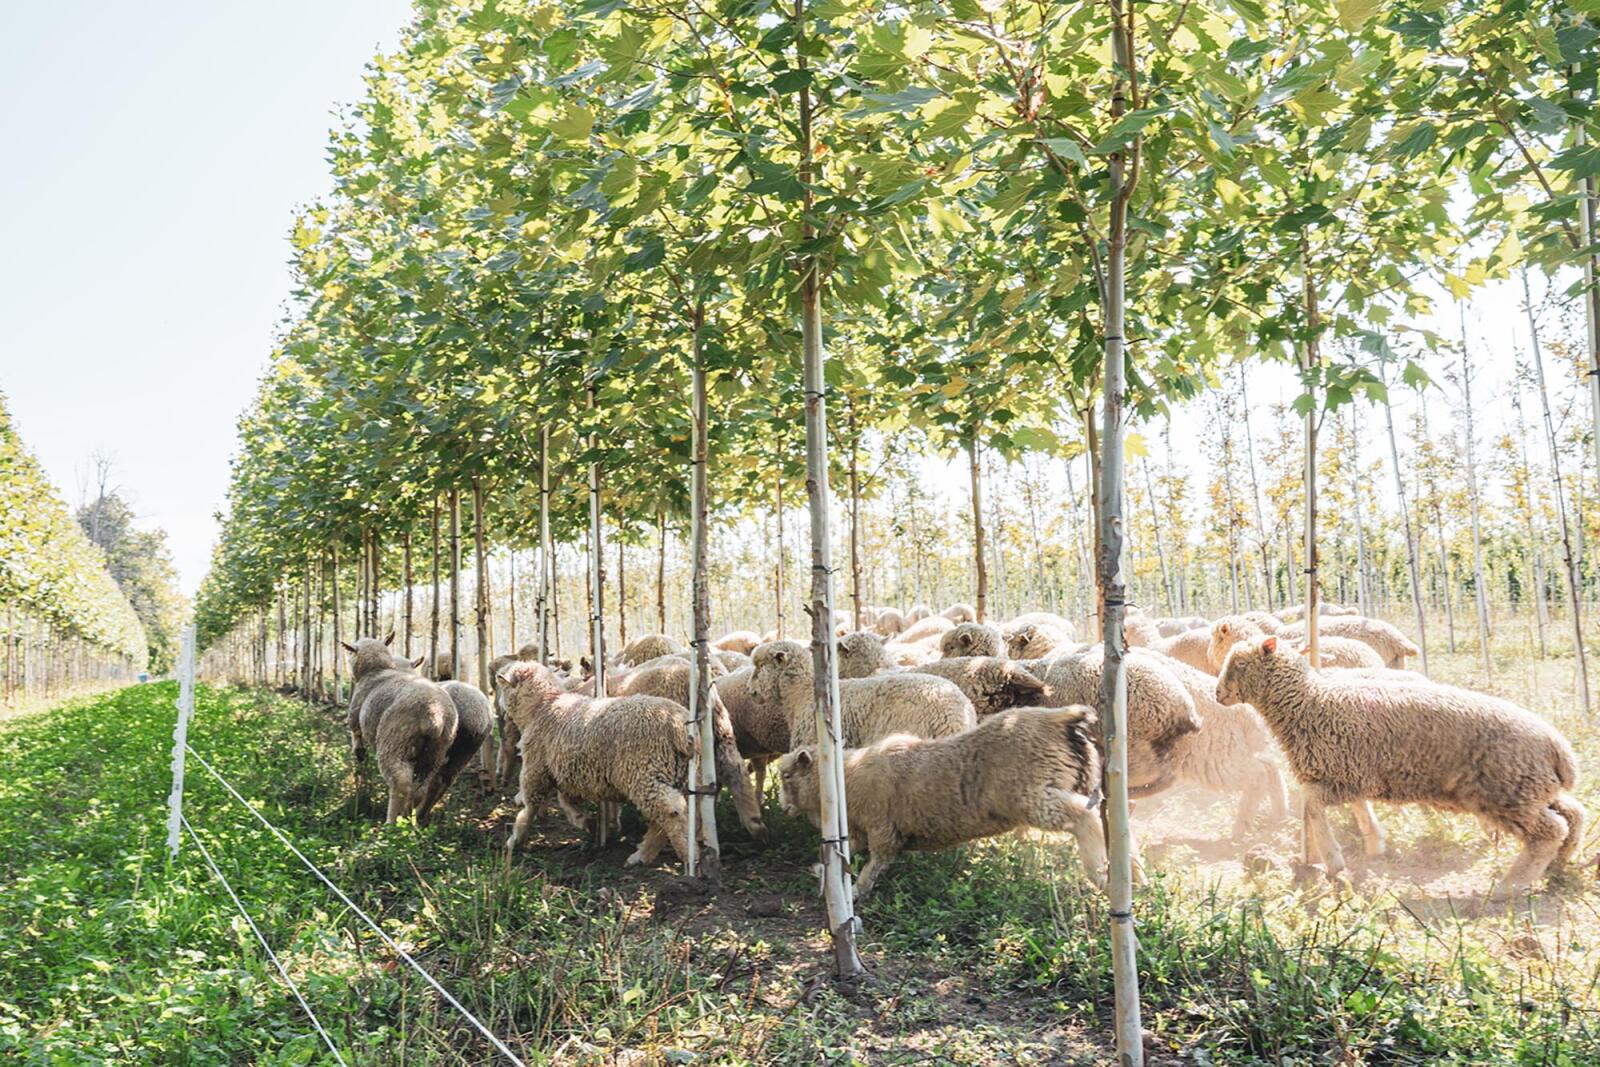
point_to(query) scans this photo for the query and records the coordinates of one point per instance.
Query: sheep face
(797, 783)
(773, 665)
(1246, 667)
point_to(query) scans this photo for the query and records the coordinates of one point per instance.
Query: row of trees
(550, 228)
(66, 621)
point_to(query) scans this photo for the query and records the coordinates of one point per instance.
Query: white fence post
(180, 739)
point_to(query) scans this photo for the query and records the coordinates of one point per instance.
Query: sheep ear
(418, 661)
(803, 758)
(780, 655)
(348, 647)
(1269, 644)
(390, 639)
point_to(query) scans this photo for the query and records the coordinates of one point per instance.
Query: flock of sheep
(957, 730)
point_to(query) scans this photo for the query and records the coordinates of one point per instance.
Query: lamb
(606, 750)
(1191, 646)
(760, 731)
(861, 654)
(930, 628)
(648, 646)
(971, 639)
(442, 671)
(410, 721)
(872, 708)
(730, 661)
(1334, 652)
(1325, 608)
(1230, 753)
(668, 677)
(1171, 627)
(917, 613)
(1351, 738)
(959, 613)
(1025, 767)
(474, 725)
(890, 622)
(1390, 644)
(743, 641)
(1160, 710)
(992, 684)
(1036, 640)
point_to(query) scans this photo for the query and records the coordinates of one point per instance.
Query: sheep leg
(666, 812)
(1544, 833)
(576, 815)
(1372, 838)
(509, 738)
(885, 847)
(400, 802)
(654, 840)
(758, 764)
(1319, 836)
(1569, 809)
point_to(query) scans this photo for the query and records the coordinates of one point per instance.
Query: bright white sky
(155, 154)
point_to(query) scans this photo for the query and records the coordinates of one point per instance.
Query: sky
(154, 157)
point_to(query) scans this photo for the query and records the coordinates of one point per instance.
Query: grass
(989, 954)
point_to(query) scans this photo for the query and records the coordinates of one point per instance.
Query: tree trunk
(1413, 565)
(661, 572)
(1574, 604)
(1591, 296)
(318, 643)
(622, 594)
(363, 573)
(433, 639)
(305, 633)
(511, 600)
(1161, 548)
(1255, 492)
(486, 753)
(546, 560)
(705, 858)
(597, 611)
(409, 578)
(338, 624)
(836, 881)
(1480, 594)
(980, 566)
(1541, 612)
(1233, 512)
(855, 519)
(1311, 360)
(1363, 594)
(455, 583)
(377, 588)
(1079, 540)
(1114, 682)
(1044, 587)
(777, 570)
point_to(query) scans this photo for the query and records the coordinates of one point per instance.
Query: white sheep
(742, 641)
(614, 749)
(861, 654)
(992, 683)
(971, 639)
(647, 647)
(1351, 738)
(960, 612)
(1026, 767)
(890, 622)
(872, 708)
(410, 722)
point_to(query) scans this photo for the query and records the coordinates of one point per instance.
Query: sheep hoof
(634, 860)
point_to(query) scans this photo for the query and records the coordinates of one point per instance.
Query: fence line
(271, 955)
(353, 906)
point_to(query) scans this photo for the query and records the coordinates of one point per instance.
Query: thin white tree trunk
(486, 754)
(1480, 595)
(1255, 491)
(1161, 548)
(1114, 681)
(1413, 567)
(838, 890)
(1541, 612)
(1574, 604)
(1363, 594)
(1311, 360)
(455, 583)
(705, 853)
(980, 565)
(546, 563)
(597, 611)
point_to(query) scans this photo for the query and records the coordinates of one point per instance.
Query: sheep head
(368, 656)
(1250, 664)
(798, 791)
(777, 665)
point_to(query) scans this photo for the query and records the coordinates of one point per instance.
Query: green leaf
(575, 125)
(1354, 14)
(1068, 149)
